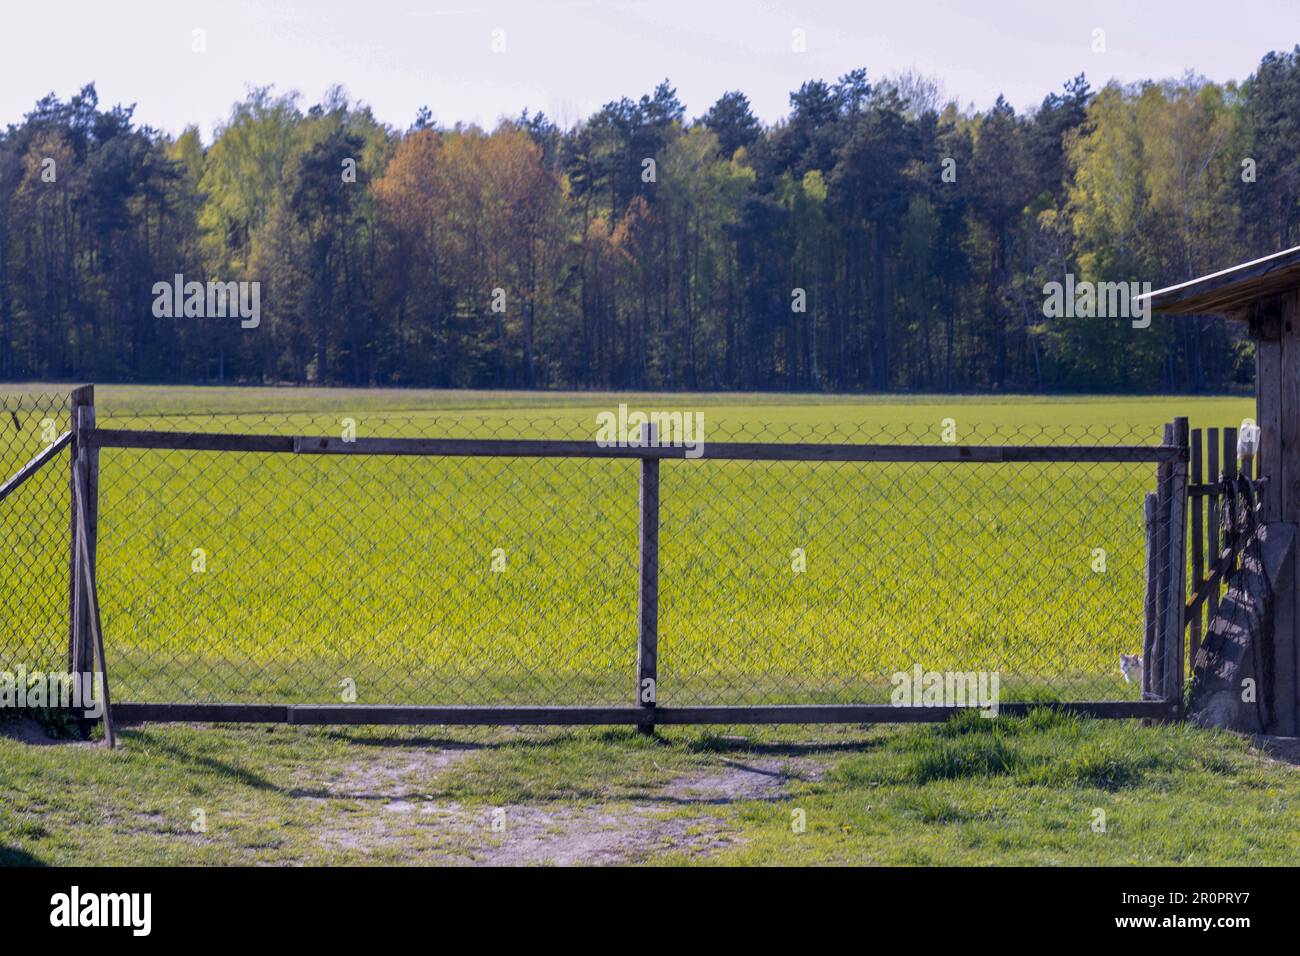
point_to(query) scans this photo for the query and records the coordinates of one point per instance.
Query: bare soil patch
(383, 800)
(597, 835)
(739, 780)
(383, 776)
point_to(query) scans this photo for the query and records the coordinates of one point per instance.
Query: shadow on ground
(12, 856)
(1283, 749)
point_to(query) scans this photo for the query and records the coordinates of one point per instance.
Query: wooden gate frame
(1165, 578)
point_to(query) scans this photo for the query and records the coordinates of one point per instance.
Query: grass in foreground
(972, 791)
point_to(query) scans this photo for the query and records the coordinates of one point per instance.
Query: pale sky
(568, 58)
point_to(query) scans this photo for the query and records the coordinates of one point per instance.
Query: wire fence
(229, 576)
(260, 577)
(35, 535)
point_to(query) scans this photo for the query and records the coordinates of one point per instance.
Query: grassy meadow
(380, 570)
(288, 578)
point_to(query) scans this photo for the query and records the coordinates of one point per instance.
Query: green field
(379, 571)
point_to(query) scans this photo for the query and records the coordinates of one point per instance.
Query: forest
(878, 238)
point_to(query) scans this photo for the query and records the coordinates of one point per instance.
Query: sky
(569, 58)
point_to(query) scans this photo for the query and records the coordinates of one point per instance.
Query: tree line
(877, 238)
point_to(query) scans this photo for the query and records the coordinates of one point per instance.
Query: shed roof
(1232, 288)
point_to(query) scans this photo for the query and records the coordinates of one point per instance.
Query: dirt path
(382, 802)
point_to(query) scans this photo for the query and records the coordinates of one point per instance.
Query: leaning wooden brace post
(81, 399)
(647, 649)
(1174, 660)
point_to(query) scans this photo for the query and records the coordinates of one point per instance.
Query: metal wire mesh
(306, 579)
(1035, 571)
(35, 535)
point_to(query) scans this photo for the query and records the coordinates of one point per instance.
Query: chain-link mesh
(285, 578)
(35, 535)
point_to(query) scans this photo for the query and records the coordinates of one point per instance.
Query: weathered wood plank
(162, 713)
(86, 568)
(1164, 482)
(1289, 415)
(1286, 625)
(1151, 599)
(1211, 584)
(1230, 469)
(1212, 450)
(187, 441)
(1198, 544)
(542, 448)
(32, 467)
(87, 459)
(1228, 290)
(759, 451)
(1175, 663)
(78, 398)
(509, 716)
(377, 714)
(1268, 409)
(886, 713)
(647, 646)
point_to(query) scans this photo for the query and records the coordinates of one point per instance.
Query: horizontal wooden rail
(1211, 490)
(185, 441)
(33, 466)
(338, 714)
(545, 448)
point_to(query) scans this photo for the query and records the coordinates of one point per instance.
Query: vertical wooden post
(1212, 507)
(1268, 416)
(1197, 505)
(647, 650)
(1230, 469)
(79, 650)
(1159, 649)
(1152, 604)
(1286, 625)
(1275, 327)
(99, 661)
(1175, 660)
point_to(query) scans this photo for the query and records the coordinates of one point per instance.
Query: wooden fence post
(647, 650)
(1212, 517)
(82, 410)
(1197, 505)
(1174, 660)
(1230, 466)
(1164, 482)
(91, 591)
(1152, 602)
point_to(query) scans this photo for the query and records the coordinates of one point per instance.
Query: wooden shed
(1264, 294)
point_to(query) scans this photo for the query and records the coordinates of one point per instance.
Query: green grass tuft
(966, 757)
